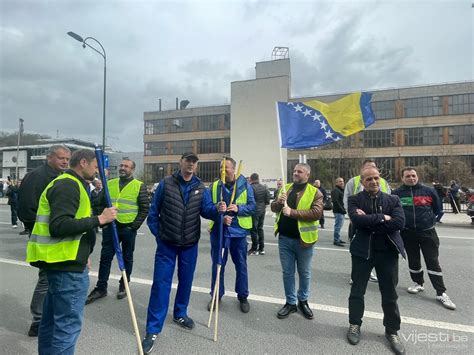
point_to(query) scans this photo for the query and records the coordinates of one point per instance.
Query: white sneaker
(415, 289)
(14, 226)
(446, 301)
(373, 277)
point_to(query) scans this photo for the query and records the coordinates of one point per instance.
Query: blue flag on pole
(314, 123)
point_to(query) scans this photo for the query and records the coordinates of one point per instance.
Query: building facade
(168, 134)
(430, 127)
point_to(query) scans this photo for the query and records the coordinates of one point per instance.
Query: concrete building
(430, 126)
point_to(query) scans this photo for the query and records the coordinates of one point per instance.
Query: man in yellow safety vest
(298, 212)
(60, 244)
(130, 196)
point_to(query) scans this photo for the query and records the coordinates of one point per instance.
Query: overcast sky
(194, 49)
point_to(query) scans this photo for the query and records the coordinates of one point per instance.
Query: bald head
(370, 178)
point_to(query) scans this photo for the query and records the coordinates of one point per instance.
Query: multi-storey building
(430, 126)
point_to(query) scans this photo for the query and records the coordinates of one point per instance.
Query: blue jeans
(126, 238)
(338, 223)
(291, 254)
(165, 261)
(62, 312)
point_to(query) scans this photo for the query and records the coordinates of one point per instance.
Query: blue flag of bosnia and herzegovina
(314, 123)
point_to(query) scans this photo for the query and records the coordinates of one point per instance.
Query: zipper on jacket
(396, 246)
(370, 243)
(413, 200)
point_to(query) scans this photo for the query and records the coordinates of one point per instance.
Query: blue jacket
(421, 205)
(372, 224)
(208, 209)
(234, 230)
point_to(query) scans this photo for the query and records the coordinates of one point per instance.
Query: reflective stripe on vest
(308, 230)
(245, 222)
(125, 200)
(41, 246)
(383, 185)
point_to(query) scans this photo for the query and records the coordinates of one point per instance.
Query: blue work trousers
(165, 261)
(238, 252)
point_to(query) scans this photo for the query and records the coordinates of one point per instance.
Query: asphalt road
(426, 326)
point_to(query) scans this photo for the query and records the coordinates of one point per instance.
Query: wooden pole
(132, 312)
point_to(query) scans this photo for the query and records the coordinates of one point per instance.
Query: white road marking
(279, 301)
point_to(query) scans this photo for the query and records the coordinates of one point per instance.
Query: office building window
(461, 134)
(461, 104)
(417, 161)
(423, 106)
(226, 145)
(423, 136)
(155, 127)
(156, 148)
(206, 146)
(180, 147)
(181, 124)
(209, 123)
(378, 139)
(384, 109)
(227, 121)
(208, 171)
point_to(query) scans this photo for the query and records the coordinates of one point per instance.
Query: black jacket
(421, 205)
(262, 197)
(64, 199)
(337, 196)
(12, 194)
(31, 188)
(372, 224)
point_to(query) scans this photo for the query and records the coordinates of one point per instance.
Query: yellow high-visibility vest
(125, 200)
(245, 222)
(43, 247)
(308, 230)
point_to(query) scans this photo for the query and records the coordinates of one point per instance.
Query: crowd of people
(62, 206)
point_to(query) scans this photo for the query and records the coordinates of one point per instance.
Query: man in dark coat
(31, 188)
(262, 200)
(337, 196)
(378, 219)
(12, 194)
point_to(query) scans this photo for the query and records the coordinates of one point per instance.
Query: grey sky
(194, 49)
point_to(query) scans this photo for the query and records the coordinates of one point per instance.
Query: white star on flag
(307, 112)
(323, 125)
(298, 108)
(316, 117)
(290, 103)
(337, 139)
(329, 134)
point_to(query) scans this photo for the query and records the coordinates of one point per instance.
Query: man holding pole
(62, 239)
(174, 219)
(299, 207)
(239, 200)
(130, 196)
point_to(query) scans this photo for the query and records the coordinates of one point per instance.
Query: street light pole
(104, 55)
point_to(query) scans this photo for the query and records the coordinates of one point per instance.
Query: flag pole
(214, 300)
(283, 187)
(118, 249)
(20, 131)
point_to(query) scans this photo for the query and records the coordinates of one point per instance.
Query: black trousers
(386, 265)
(428, 242)
(14, 214)
(258, 238)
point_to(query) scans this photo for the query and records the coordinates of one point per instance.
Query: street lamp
(84, 44)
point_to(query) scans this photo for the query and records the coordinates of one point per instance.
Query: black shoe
(339, 244)
(121, 293)
(395, 343)
(252, 252)
(353, 334)
(209, 305)
(149, 342)
(244, 305)
(304, 308)
(343, 242)
(261, 252)
(34, 329)
(95, 295)
(321, 226)
(185, 322)
(25, 232)
(286, 310)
